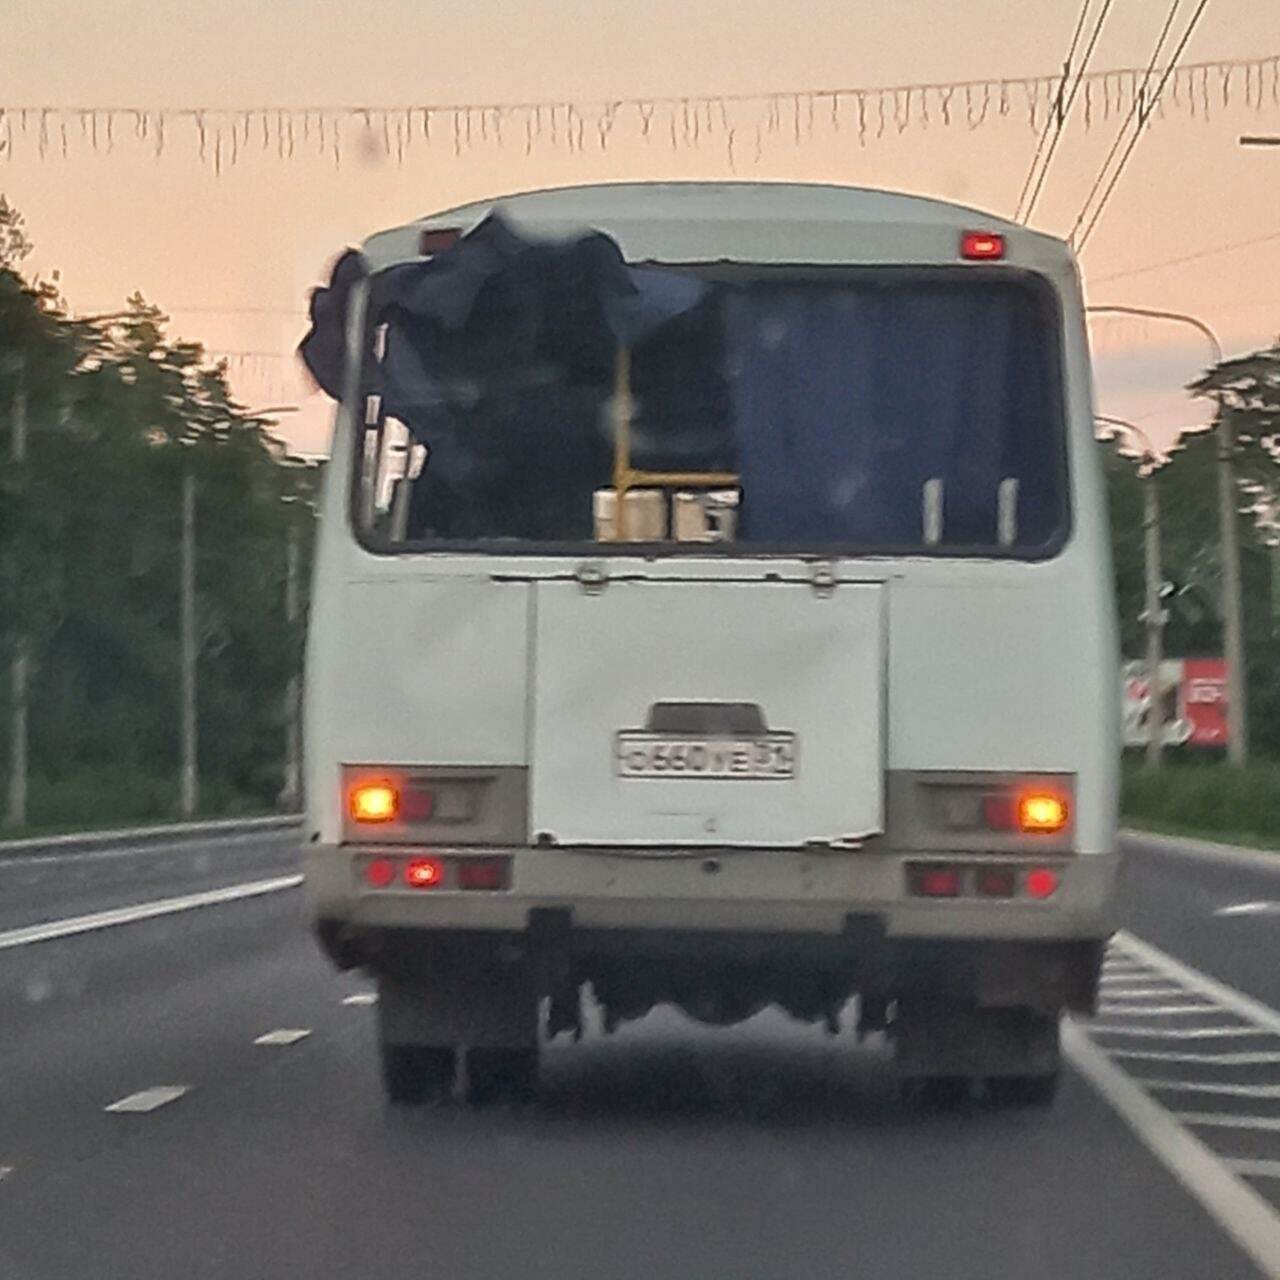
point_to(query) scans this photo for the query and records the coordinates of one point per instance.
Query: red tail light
(982, 246)
(379, 872)
(484, 873)
(1041, 883)
(997, 882)
(423, 873)
(934, 881)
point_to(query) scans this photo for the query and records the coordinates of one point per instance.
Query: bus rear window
(875, 411)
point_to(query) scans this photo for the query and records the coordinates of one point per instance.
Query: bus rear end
(712, 608)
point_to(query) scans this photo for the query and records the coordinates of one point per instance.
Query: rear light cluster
(374, 802)
(487, 872)
(980, 880)
(1032, 812)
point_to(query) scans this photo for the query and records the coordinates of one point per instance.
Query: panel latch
(822, 578)
(592, 577)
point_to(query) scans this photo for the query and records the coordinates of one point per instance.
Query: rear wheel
(415, 1073)
(495, 1075)
(1023, 1091)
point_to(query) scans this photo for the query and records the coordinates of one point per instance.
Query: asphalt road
(769, 1150)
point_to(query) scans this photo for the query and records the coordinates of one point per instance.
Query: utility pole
(1153, 614)
(1232, 597)
(291, 793)
(1229, 534)
(189, 782)
(20, 661)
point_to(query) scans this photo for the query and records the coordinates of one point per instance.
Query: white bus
(712, 607)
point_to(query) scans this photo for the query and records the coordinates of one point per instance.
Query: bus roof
(757, 222)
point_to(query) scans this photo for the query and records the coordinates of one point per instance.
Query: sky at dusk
(231, 255)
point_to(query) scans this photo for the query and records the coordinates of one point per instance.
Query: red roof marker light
(982, 246)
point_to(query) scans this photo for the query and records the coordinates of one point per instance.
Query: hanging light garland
(743, 124)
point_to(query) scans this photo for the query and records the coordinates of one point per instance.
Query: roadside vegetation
(1210, 800)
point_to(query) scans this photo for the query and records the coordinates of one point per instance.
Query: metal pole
(1232, 596)
(1154, 618)
(20, 661)
(291, 794)
(1229, 535)
(190, 796)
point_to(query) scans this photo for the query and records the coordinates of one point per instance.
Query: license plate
(653, 755)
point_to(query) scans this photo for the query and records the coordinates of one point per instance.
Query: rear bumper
(748, 891)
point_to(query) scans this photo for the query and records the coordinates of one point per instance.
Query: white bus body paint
(149, 1099)
(1243, 1214)
(143, 911)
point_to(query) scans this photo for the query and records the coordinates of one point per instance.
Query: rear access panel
(707, 713)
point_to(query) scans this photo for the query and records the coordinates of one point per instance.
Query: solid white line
(1171, 1033)
(1202, 1086)
(1256, 1168)
(143, 911)
(1246, 1007)
(1225, 1120)
(1255, 859)
(1261, 1058)
(149, 1099)
(285, 1035)
(1242, 1213)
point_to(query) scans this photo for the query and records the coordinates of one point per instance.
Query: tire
(413, 1074)
(495, 1075)
(935, 1093)
(1023, 1091)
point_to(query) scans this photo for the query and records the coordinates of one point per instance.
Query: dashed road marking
(6, 1170)
(149, 1099)
(361, 997)
(1250, 909)
(71, 925)
(1256, 1168)
(285, 1035)
(1203, 1086)
(1135, 1010)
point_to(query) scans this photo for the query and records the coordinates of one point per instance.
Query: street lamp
(1153, 615)
(1232, 602)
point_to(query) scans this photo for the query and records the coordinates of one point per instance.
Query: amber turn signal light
(374, 802)
(1041, 812)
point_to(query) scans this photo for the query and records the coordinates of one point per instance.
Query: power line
(1185, 258)
(1143, 116)
(1064, 112)
(1048, 124)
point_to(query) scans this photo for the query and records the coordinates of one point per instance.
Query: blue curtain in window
(848, 399)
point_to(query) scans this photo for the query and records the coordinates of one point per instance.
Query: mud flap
(465, 997)
(949, 1038)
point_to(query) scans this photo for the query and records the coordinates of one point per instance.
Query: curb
(169, 833)
(1207, 850)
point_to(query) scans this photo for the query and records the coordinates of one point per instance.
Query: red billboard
(1193, 694)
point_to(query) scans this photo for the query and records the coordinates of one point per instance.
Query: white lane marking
(149, 1099)
(1133, 1009)
(1242, 1213)
(361, 997)
(1226, 1120)
(1250, 909)
(1170, 1033)
(143, 911)
(285, 1035)
(1246, 1007)
(5, 1171)
(1258, 1059)
(1256, 1168)
(1113, 990)
(1204, 1086)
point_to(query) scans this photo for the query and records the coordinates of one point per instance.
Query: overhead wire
(1143, 110)
(1185, 258)
(1048, 124)
(1065, 109)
